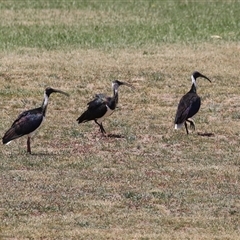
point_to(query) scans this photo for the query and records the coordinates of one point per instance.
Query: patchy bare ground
(146, 180)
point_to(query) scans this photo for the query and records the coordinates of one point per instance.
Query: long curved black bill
(129, 85)
(205, 77)
(62, 92)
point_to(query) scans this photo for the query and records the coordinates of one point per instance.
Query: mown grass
(152, 182)
(74, 24)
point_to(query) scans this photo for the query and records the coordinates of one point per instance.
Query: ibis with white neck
(29, 121)
(189, 104)
(102, 106)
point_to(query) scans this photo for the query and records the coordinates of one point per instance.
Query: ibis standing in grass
(102, 106)
(189, 104)
(29, 121)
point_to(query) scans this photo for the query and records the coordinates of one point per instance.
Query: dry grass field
(146, 180)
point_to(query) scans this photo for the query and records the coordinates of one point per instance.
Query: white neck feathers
(45, 102)
(194, 81)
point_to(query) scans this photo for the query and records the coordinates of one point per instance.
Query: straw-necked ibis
(102, 106)
(29, 121)
(189, 104)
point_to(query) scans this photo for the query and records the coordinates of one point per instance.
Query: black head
(196, 74)
(117, 83)
(50, 90)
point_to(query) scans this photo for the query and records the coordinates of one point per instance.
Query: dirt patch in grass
(153, 182)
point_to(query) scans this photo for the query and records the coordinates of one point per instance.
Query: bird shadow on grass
(205, 134)
(108, 136)
(39, 154)
(112, 135)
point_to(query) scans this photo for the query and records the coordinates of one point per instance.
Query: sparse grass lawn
(153, 182)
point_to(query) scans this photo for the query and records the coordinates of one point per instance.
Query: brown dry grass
(154, 182)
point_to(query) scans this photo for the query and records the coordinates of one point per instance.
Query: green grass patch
(79, 24)
(146, 180)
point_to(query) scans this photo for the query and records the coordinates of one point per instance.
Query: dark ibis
(189, 104)
(102, 106)
(29, 121)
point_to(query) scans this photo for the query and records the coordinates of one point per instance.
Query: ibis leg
(101, 127)
(28, 145)
(192, 124)
(186, 127)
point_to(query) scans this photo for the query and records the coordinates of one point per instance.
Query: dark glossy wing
(100, 99)
(187, 107)
(26, 123)
(96, 109)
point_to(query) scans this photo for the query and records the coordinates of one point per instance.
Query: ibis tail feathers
(84, 117)
(10, 135)
(178, 125)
